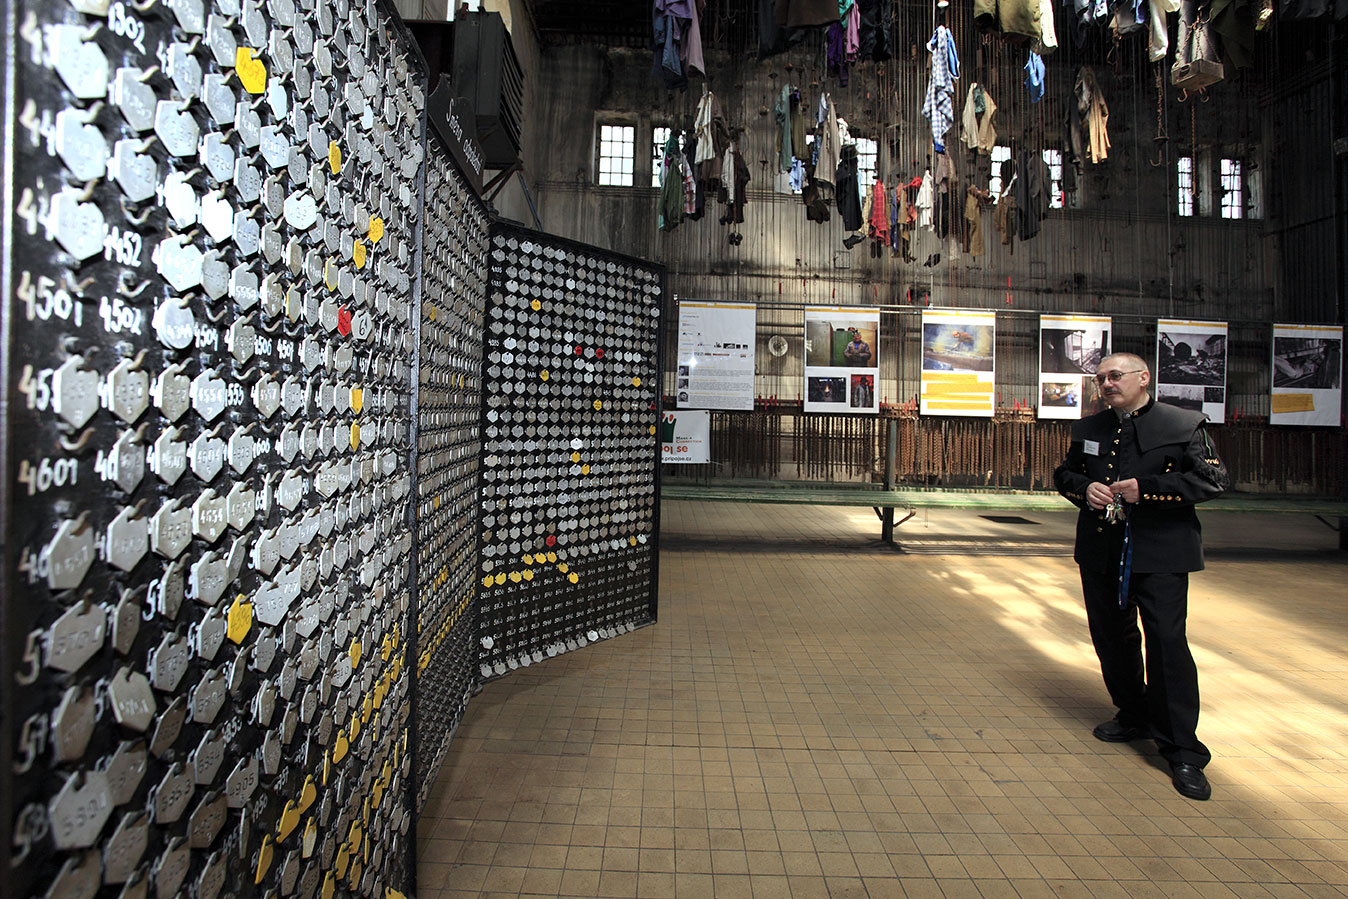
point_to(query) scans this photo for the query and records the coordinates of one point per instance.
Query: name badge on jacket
(1091, 447)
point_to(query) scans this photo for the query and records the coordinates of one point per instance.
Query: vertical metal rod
(891, 451)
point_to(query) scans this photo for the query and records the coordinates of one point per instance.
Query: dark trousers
(1164, 694)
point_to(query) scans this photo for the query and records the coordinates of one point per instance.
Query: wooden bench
(910, 500)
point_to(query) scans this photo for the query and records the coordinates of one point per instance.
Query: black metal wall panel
(207, 545)
(570, 466)
(449, 413)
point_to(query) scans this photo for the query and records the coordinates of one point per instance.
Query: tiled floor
(816, 715)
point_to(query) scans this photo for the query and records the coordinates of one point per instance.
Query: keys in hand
(1117, 510)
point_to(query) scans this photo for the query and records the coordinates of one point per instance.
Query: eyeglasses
(1115, 376)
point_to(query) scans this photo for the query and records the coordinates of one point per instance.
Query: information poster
(1191, 366)
(1307, 375)
(1070, 350)
(685, 437)
(716, 356)
(842, 364)
(957, 362)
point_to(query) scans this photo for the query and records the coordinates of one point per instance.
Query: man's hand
(1098, 495)
(1129, 489)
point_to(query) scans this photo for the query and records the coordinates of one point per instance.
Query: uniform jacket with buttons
(1168, 451)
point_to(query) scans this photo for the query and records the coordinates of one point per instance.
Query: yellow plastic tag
(329, 886)
(573, 577)
(357, 400)
(308, 793)
(376, 229)
(355, 653)
(355, 435)
(598, 404)
(330, 274)
(500, 579)
(239, 620)
(636, 382)
(290, 819)
(340, 748)
(562, 567)
(252, 71)
(536, 305)
(487, 580)
(431, 315)
(264, 857)
(334, 157)
(514, 577)
(358, 254)
(585, 469)
(544, 374)
(575, 457)
(309, 840)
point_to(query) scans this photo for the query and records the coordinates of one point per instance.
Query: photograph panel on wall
(1307, 375)
(842, 365)
(1191, 366)
(685, 437)
(1070, 350)
(716, 355)
(958, 360)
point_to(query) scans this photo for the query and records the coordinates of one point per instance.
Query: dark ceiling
(603, 21)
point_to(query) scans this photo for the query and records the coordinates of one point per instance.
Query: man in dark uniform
(1136, 470)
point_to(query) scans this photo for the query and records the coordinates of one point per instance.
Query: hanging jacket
(874, 27)
(826, 141)
(670, 205)
(924, 202)
(1031, 193)
(782, 113)
(1094, 115)
(713, 136)
(978, 132)
(798, 125)
(848, 193)
(736, 187)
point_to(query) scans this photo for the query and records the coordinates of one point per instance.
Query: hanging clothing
(939, 105)
(670, 206)
(1086, 13)
(924, 202)
(894, 202)
(851, 22)
(826, 141)
(736, 186)
(699, 195)
(1094, 115)
(798, 126)
(1034, 77)
(874, 28)
(1009, 17)
(1129, 16)
(1005, 220)
(979, 134)
(1158, 39)
(836, 54)
(1048, 32)
(713, 136)
(879, 215)
(848, 192)
(973, 220)
(782, 112)
(1031, 193)
(677, 41)
(689, 187)
(804, 13)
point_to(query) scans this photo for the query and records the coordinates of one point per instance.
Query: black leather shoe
(1191, 781)
(1115, 731)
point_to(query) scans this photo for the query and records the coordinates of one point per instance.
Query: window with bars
(1184, 181)
(1056, 198)
(1000, 155)
(867, 153)
(1233, 194)
(617, 144)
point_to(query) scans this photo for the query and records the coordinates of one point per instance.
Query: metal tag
(207, 758)
(128, 539)
(124, 849)
(209, 577)
(206, 456)
(69, 554)
(171, 528)
(242, 783)
(208, 697)
(207, 821)
(169, 799)
(169, 662)
(72, 724)
(212, 879)
(174, 324)
(125, 462)
(128, 391)
(133, 702)
(271, 748)
(171, 590)
(125, 770)
(172, 868)
(169, 727)
(171, 393)
(208, 516)
(77, 879)
(79, 810)
(169, 458)
(76, 637)
(125, 622)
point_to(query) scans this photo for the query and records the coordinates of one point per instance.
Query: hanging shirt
(782, 113)
(879, 213)
(827, 141)
(1159, 41)
(924, 203)
(672, 200)
(939, 106)
(1034, 77)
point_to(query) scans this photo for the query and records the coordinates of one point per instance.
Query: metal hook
(131, 216)
(79, 444)
(124, 279)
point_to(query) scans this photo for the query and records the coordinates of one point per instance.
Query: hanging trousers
(1164, 694)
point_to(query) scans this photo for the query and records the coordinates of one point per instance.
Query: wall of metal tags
(570, 465)
(449, 438)
(208, 543)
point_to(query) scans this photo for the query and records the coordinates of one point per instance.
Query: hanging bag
(1196, 64)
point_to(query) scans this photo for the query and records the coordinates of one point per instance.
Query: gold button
(1110, 465)
(1099, 530)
